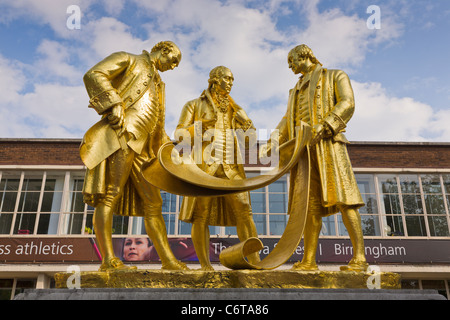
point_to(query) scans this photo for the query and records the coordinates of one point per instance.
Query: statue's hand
(116, 118)
(319, 132)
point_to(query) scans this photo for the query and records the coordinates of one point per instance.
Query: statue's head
(168, 55)
(221, 79)
(301, 58)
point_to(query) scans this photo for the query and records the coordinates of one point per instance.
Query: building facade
(45, 227)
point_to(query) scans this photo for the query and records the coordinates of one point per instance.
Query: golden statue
(127, 91)
(216, 115)
(323, 99)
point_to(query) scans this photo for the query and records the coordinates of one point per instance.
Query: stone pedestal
(258, 286)
(275, 298)
(255, 279)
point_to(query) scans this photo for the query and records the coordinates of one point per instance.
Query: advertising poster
(141, 250)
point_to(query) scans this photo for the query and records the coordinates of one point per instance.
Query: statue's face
(225, 82)
(299, 64)
(168, 60)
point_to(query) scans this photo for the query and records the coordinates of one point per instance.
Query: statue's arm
(99, 82)
(344, 108)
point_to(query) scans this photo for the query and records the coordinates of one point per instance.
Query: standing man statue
(324, 99)
(215, 114)
(127, 91)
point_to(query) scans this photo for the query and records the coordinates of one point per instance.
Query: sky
(396, 58)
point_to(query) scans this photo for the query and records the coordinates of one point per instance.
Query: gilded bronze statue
(216, 116)
(127, 92)
(323, 98)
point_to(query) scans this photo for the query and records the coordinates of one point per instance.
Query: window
(9, 288)
(435, 205)
(414, 205)
(396, 205)
(369, 213)
(9, 188)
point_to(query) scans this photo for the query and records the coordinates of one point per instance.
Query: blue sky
(400, 72)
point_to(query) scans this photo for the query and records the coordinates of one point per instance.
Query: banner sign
(135, 249)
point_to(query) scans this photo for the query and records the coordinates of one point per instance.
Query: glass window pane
(431, 183)
(391, 204)
(438, 226)
(76, 202)
(78, 184)
(89, 225)
(6, 286)
(32, 185)
(138, 226)
(48, 223)
(8, 201)
(184, 228)
(29, 202)
(278, 186)
(277, 224)
(409, 183)
(120, 224)
(394, 226)
(371, 204)
(54, 183)
(73, 223)
(366, 183)
(416, 226)
(446, 178)
(8, 194)
(412, 204)
(370, 225)
(410, 284)
(169, 202)
(169, 220)
(260, 222)
(5, 222)
(214, 230)
(388, 183)
(278, 203)
(434, 204)
(8, 184)
(258, 201)
(24, 223)
(230, 231)
(328, 226)
(342, 230)
(51, 200)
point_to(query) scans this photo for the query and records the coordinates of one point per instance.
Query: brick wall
(399, 155)
(362, 154)
(40, 152)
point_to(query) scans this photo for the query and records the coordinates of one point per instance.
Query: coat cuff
(335, 123)
(105, 101)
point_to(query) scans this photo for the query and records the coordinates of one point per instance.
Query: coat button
(138, 91)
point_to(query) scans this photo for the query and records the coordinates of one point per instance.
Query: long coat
(133, 81)
(331, 100)
(203, 108)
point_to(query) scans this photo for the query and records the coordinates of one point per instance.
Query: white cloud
(210, 33)
(381, 117)
(107, 35)
(342, 40)
(51, 12)
(55, 63)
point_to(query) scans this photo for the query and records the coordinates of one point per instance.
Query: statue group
(127, 92)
